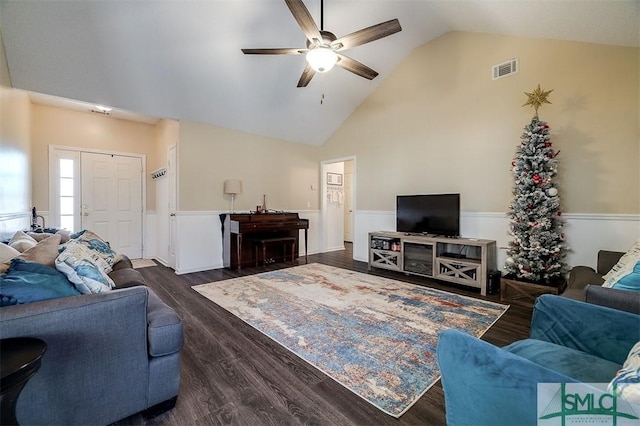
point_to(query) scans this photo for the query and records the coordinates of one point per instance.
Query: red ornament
(547, 144)
(513, 163)
(559, 213)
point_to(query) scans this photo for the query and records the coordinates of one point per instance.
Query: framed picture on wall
(334, 179)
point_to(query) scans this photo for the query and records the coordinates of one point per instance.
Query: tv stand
(465, 261)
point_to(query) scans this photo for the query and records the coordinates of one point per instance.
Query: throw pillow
(626, 383)
(84, 268)
(44, 252)
(21, 241)
(625, 274)
(27, 282)
(100, 247)
(39, 236)
(7, 253)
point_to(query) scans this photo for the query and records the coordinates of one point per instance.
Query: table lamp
(233, 187)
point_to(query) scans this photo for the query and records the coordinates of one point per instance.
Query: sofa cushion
(27, 282)
(567, 361)
(164, 327)
(126, 277)
(22, 242)
(625, 275)
(84, 268)
(627, 380)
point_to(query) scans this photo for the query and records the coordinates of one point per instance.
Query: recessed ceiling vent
(101, 112)
(506, 68)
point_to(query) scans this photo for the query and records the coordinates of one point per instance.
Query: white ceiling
(182, 59)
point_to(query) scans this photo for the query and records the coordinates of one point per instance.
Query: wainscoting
(12, 222)
(585, 233)
(199, 245)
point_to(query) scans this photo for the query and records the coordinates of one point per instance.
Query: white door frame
(173, 199)
(323, 198)
(52, 171)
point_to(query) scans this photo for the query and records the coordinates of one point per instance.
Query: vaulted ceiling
(182, 59)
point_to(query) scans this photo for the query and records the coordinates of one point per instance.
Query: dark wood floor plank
(234, 375)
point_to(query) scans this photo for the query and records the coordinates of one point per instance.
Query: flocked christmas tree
(537, 250)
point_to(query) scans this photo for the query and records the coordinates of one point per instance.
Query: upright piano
(240, 230)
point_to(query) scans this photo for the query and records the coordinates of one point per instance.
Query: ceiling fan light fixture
(322, 59)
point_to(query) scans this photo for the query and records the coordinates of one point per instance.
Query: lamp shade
(233, 186)
(322, 59)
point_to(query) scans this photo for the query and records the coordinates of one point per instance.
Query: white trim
(13, 216)
(600, 216)
(79, 150)
(323, 198)
(586, 233)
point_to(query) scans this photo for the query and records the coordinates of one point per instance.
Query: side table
(20, 359)
(525, 294)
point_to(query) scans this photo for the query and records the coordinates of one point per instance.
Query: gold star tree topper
(537, 98)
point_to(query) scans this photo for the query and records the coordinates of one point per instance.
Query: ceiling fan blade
(367, 35)
(356, 67)
(304, 19)
(276, 51)
(306, 76)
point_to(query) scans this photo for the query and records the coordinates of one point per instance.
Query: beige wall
(208, 155)
(439, 123)
(15, 151)
(167, 134)
(55, 126)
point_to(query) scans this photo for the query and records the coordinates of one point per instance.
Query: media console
(465, 261)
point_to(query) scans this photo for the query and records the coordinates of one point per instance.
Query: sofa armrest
(622, 300)
(607, 260)
(581, 276)
(604, 332)
(96, 358)
(164, 328)
(485, 385)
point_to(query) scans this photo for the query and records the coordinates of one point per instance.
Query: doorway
(337, 202)
(111, 200)
(100, 191)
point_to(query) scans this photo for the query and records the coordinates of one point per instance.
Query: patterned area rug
(375, 336)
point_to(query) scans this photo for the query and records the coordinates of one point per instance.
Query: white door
(348, 206)
(171, 170)
(111, 203)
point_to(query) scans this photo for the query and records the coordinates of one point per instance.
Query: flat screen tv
(436, 214)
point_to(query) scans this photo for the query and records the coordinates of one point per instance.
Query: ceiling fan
(323, 47)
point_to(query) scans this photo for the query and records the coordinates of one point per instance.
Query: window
(64, 208)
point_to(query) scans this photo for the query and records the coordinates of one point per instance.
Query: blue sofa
(109, 355)
(570, 342)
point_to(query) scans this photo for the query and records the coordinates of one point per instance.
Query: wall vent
(506, 68)
(97, 111)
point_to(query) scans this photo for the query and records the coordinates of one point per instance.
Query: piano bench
(286, 242)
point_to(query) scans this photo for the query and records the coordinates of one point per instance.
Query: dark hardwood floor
(232, 374)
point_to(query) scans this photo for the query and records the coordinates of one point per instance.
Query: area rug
(142, 263)
(375, 336)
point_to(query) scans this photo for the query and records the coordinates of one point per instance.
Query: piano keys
(240, 230)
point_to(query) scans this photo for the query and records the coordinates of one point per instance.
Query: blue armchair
(570, 342)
